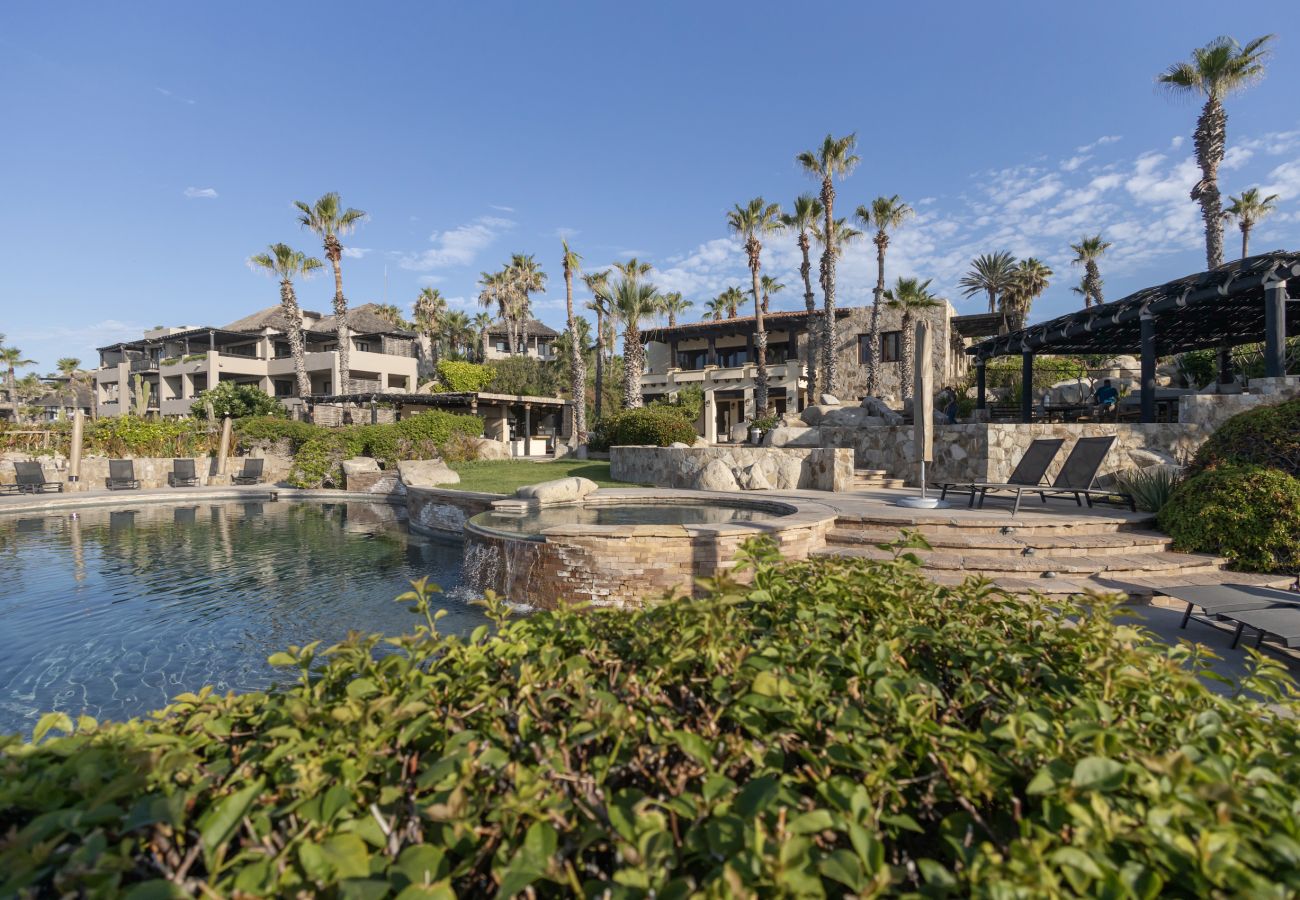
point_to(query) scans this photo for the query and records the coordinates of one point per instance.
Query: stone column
(712, 358)
(1275, 298)
(981, 392)
(710, 418)
(528, 430)
(1148, 376)
(223, 445)
(74, 452)
(1225, 366)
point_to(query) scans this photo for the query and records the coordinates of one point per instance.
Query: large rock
(359, 465)
(793, 437)
(851, 417)
(1146, 459)
(1072, 391)
(490, 449)
(677, 445)
(753, 478)
(425, 473)
(878, 408)
(739, 432)
(813, 415)
(829, 400)
(561, 490)
(716, 476)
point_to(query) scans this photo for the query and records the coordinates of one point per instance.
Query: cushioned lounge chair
(30, 479)
(252, 473)
(1027, 474)
(1076, 479)
(182, 473)
(121, 475)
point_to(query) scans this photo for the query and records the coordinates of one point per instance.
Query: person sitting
(1106, 397)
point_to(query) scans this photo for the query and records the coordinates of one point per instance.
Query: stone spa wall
(805, 468)
(444, 512)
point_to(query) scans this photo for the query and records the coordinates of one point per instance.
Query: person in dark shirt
(1107, 397)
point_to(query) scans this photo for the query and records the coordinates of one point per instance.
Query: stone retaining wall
(443, 512)
(819, 468)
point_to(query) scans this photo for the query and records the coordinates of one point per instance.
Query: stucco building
(535, 340)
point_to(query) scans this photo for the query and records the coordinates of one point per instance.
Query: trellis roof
(1219, 307)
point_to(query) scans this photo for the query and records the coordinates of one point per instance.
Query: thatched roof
(363, 319)
(531, 328)
(271, 317)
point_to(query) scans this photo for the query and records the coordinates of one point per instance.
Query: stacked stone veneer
(443, 512)
(1212, 410)
(151, 472)
(625, 565)
(820, 468)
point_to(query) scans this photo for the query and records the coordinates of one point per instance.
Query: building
(535, 340)
(177, 364)
(64, 400)
(717, 356)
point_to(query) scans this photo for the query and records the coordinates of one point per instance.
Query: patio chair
(252, 473)
(1078, 475)
(1226, 600)
(1027, 474)
(30, 479)
(182, 473)
(121, 476)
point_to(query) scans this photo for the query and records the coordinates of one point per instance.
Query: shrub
(524, 375)
(1263, 436)
(688, 404)
(263, 430)
(648, 425)
(1249, 514)
(839, 727)
(236, 401)
(318, 463)
(463, 377)
(1150, 488)
(132, 436)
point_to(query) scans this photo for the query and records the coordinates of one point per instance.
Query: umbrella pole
(923, 478)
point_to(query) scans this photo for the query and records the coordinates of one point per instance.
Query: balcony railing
(144, 365)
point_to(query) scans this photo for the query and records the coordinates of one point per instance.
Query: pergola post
(1148, 377)
(672, 355)
(1275, 329)
(712, 357)
(1026, 386)
(528, 430)
(374, 412)
(1225, 365)
(981, 391)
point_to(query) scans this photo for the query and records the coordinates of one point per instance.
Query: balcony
(144, 365)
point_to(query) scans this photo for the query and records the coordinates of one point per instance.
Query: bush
(1249, 514)
(264, 430)
(523, 375)
(841, 727)
(119, 436)
(657, 427)
(1263, 436)
(463, 377)
(1150, 488)
(236, 401)
(688, 404)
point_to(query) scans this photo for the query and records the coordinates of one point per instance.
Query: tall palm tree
(566, 341)
(1248, 210)
(731, 299)
(392, 315)
(1082, 290)
(770, 286)
(634, 268)
(717, 307)
(12, 359)
(807, 210)
(1031, 279)
(1086, 254)
(672, 305)
(481, 322)
(577, 359)
(459, 331)
(598, 284)
(834, 157)
(526, 278)
(328, 220)
(287, 263)
(632, 301)
(912, 297)
(885, 214)
(73, 378)
(430, 307)
(1220, 68)
(991, 273)
(751, 223)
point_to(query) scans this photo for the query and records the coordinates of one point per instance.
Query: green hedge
(1264, 436)
(463, 377)
(656, 426)
(236, 401)
(1248, 514)
(841, 727)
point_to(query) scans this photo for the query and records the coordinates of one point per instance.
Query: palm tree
(912, 297)
(631, 302)
(770, 286)
(565, 343)
(577, 361)
(834, 157)
(731, 299)
(287, 263)
(885, 214)
(1220, 68)
(525, 278)
(430, 307)
(598, 284)
(12, 359)
(392, 315)
(634, 268)
(717, 307)
(73, 378)
(1031, 279)
(807, 210)
(1248, 210)
(672, 305)
(1087, 252)
(327, 219)
(481, 322)
(459, 331)
(991, 273)
(1082, 290)
(751, 222)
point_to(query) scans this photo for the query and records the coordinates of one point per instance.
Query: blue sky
(151, 148)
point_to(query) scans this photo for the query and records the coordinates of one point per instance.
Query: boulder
(800, 436)
(561, 490)
(359, 465)
(716, 476)
(850, 417)
(829, 400)
(783, 472)
(881, 410)
(739, 432)
(1124, 364)
(1145, 459)
(490, 449)
(752, 478)
(425, 473)
(677, 445)
(1072, 391)
(813, 415)
(701, 442)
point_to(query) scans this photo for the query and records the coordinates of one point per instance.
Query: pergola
(1242, 302)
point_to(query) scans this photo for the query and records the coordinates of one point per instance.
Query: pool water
(111, 613)
(534, 521)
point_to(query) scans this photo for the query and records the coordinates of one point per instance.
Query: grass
(503, 476)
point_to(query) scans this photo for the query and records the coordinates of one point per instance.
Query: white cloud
(1176, 142)
(458, 246)
(193, 193)
(1284, 181)
(1236, 157)
(505, 209)
(167, 93)
(1100, 142)
(356, 252)
(1069, 165)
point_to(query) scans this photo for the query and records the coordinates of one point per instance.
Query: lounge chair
(1228, 599)
(1076, 479)
(1027, 474)
(182, 473)
(1281, 621)
(30, 479)
(121, 475)
(252, 473)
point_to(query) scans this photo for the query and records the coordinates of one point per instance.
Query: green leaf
(1076, 859)
(281, 659)
(154, 889)
(844, 867)
(347, 855)
(812, 822)
(1097, 773)
(755, 796)
(692, 745)
(420, 864)
(360, 688)
(50, 721)
(224, 818)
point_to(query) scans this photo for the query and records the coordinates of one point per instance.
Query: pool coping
(44, 503)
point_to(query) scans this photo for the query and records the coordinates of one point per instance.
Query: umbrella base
(921, 503)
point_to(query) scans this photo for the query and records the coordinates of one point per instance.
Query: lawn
(503, 476)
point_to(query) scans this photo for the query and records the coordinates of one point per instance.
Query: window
(281, 350)
(692, 359)
(891, 349)
(731, 357)
(502, 346)
(283, 387)
(778, 354)
(362, 346)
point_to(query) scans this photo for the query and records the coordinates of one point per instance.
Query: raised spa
(533, 522)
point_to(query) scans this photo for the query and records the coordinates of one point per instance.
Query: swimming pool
(110, 613)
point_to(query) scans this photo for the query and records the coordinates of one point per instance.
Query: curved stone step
(935, 522)
(1122, 543)
(1136, 565)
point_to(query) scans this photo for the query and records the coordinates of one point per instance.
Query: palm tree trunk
(812, 325)
(1245, 240)
(993, 301)
(600, 363)
(297, 346)
(577, 366)
(905, 364)
(335, 254)
(760, 344)
(829, 343)
(1094, 281)
(873, 361)
(632, 366)
(1211, 131)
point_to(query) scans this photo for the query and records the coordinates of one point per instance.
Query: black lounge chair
(29, 478)
(1283, 622)
(1226, 600)
(1027, 474)
(121, 475)
(182, 473)
(252, 473)
(1078, 475)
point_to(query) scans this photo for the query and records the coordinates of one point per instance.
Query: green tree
(991, 273)
(731, 299)
(284, 262)
(459, 332)
(12, 359)
(575, 348)
(672, 305)
(751, 223)
(1031, 278)
(525, 278)
(885, 214)
(328, 220)
(481, 322)
(430, 307)
(911, 297)
(1086, 254)
(770, 286)
(234, 400)
(1248, 210)
(598, 284)
(72, 379)
(1219, 69)
(717, 307)
(834, 157)
(807, 210)
(632, 301)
